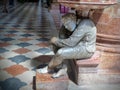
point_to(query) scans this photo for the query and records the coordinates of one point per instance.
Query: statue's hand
(53, 39)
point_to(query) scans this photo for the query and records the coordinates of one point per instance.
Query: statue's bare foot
(61, 72)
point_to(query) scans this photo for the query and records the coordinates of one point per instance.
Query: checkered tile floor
(24, 35)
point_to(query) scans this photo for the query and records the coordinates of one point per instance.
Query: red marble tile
(16, 70)
(1, 58)
(10, 35)
(4, 44)
(25, 39)
(43, 44)
(22, 50)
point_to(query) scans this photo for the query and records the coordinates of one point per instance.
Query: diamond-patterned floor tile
(29, 77)
(7, 39)
(43, 35)
(22, 50)
(12, 47)
(33, 47)
(16, 70)
(25, 39)
(1, 57)
(12, 84)
(43, 44)
(19, 58)
(12, 31)
(30, 64)
(4, 44)
(43, 39)
(44, 31)
(2, 50)
(22, 39)
(9, 54)
(4, 75)
(33, 54)
(14, 42)
(27, 35)
(43, 50)
(10, 35)
(24, 44)
(33, 42)
(6, 63)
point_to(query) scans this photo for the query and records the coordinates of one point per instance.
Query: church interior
(26, 27)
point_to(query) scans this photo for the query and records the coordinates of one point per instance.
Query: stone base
(89, 73)
(45, 82)
(110, 63)
(95, 78)
(90, 62)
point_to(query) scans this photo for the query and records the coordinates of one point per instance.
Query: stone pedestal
(45, 82)
(90, 62)
(90, 76)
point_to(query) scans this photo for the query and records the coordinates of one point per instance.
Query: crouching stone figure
(78, 41)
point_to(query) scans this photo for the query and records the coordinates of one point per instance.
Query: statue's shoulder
(87, 22)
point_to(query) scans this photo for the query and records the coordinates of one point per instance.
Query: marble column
(108, 38)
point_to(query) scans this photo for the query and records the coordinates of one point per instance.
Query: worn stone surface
(108, 38)
(45, 82)
(90, 62)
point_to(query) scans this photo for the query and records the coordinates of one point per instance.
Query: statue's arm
(64, 33)
(73, 40)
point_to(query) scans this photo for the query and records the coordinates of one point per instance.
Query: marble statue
(77, 40)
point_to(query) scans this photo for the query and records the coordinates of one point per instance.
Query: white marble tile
(15, 41)
(4, 75)
(27, 87)
(9, 54)
(27, 76)
(12, 47)
(33, 47)
(30, 64)
(33, 42)
(6, 63)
